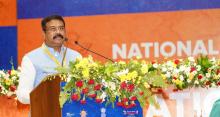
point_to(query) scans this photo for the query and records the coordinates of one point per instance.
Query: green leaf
(63, 98)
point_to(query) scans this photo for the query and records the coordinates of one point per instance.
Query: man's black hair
(49, 18)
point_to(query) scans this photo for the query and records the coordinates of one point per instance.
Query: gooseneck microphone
(77, 43)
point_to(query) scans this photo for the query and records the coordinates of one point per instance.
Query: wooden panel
(45, 99)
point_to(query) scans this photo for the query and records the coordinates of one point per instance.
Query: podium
(44, 99)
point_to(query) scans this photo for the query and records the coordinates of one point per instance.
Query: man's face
(55, 33)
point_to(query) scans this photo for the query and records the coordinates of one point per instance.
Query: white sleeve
(26, 80)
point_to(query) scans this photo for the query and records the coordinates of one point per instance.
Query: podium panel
(45, 99)
(45, 103)
(93, 109)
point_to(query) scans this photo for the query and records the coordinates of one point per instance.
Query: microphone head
(66, 39)
(76, 42)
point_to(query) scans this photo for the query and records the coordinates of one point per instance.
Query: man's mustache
(58, 35)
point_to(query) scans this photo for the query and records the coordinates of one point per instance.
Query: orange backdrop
(100, 33)
(8, 13)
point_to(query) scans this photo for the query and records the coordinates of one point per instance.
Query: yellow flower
(218, 62)
(139, 80)
(8, 81)
(178, 82)
(93, 64)
(173, 80)
(132, 75)
(174, 65)
(144, 69)
(85, 73)
(146, 85)
(13, 72)
(163, 76)
(138, 57)
(143, 62)
(209, 70)
(128, 76)
(191, 76)
(78, 66)
(121, 62)
(216, 77)
(135, 61)
(90, 58)
(123, 77)
(82, 63)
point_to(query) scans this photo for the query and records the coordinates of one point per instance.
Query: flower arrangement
(119, 82)
(125, 82)
(8, 82)
(201, 72)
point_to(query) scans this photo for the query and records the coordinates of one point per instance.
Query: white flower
(9, 93)
(68, 79)
(122, 72)
(194, 72)
(103, 96)
(155, 65)
(176, 71)
(196, 82)
(14, 78)
(2, 73)
(19, 68)
(213, 84)
(203, 79)
(198, 67)
(116, 93)
(7, 76)
(213, 60)
(191, 59)
(194, 64)
(187, 70)
(181, 77)
(104, 83)
(169, 63)
(164, 69)
(214, 66)
(182, 68)
(208, 75)
(112, 85)
(168, 74)
(188, 80)
(2, 87)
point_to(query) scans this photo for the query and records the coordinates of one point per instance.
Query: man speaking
(42, 61)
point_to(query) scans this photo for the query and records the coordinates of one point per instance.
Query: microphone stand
(76, 42)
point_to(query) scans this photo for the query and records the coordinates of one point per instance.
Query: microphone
(77, 43)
